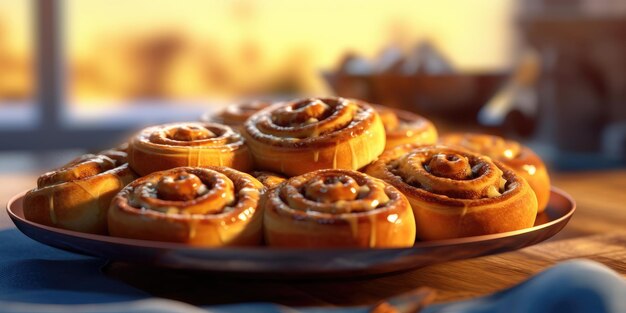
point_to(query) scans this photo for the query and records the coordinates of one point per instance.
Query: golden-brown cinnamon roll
(268, 179)
(236, 114)
(404, 127)
(77, 195)
(119, 153)
(337, 208)
(516, 156)
(168, 146)
(301, 136)
(212, 206)
(456, 193)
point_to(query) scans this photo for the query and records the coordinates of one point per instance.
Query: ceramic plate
(296, 262)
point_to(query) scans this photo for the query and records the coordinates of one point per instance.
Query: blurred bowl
(447, 95)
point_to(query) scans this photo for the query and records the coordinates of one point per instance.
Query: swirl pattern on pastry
(268, 179)
(404, 127)
(337, 208)
(77, 195)
(119, 154)
(168, 146)
(516, 156)
(304, 135)
(212, 206)
(235, 115)
(455, 193)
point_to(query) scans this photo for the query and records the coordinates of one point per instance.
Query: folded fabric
(37, 278)
(572, 286)
(35, 273)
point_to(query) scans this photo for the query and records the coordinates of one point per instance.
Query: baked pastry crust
(268, 179)
(456, 193)
(77, 195)
(173, 145)
(211, 207)
(513, 154)
(236, 114)
(337, 208)
(305, 135)
(404, 127)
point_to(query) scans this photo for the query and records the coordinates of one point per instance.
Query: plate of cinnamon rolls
(314, 186)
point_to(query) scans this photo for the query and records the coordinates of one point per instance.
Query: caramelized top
(493, 146)
(400, 123)
(511, 153)
(82, 167)
(186, 133)
(180, 187)
(311, 121)
(451, 166)
(268, 179)
(205, 135)
(184, 191)
(337, 192)
(331, 189)
(189, 191)
(445, 171)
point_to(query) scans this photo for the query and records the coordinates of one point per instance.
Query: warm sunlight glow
(167, 49)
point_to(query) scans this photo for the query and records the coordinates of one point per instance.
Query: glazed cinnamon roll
(268, 179)
(516, 156)
(77, 195)
(236, 114)
(455, 193)
(404, 127)
(212, 206)
(337, 208)
(167, 146)
(119, 153)
(301, 136)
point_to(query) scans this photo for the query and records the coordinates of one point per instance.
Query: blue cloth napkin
(35, 273)
(573, 286)
(38, 278)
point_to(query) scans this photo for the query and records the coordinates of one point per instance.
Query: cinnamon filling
(303, 122)
(334, 192)
(189, 133)
(451, 166)
(450, 173)
(332, 189)
(185, 192)
(306, 111)
(182, 187)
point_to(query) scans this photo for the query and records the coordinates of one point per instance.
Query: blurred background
(83, 75)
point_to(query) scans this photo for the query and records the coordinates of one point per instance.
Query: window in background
(138, 59)
(17, 81)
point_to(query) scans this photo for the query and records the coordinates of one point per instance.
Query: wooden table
(597, 231)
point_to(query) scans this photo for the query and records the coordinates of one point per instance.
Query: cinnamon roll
(516, 156)
(404, 127)
(268, 179)
(119, 153)
(168, 146)
(77, 195)
(236, 114)
(337, 208)
(212, 206)
(456, 193)
(304, 135)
